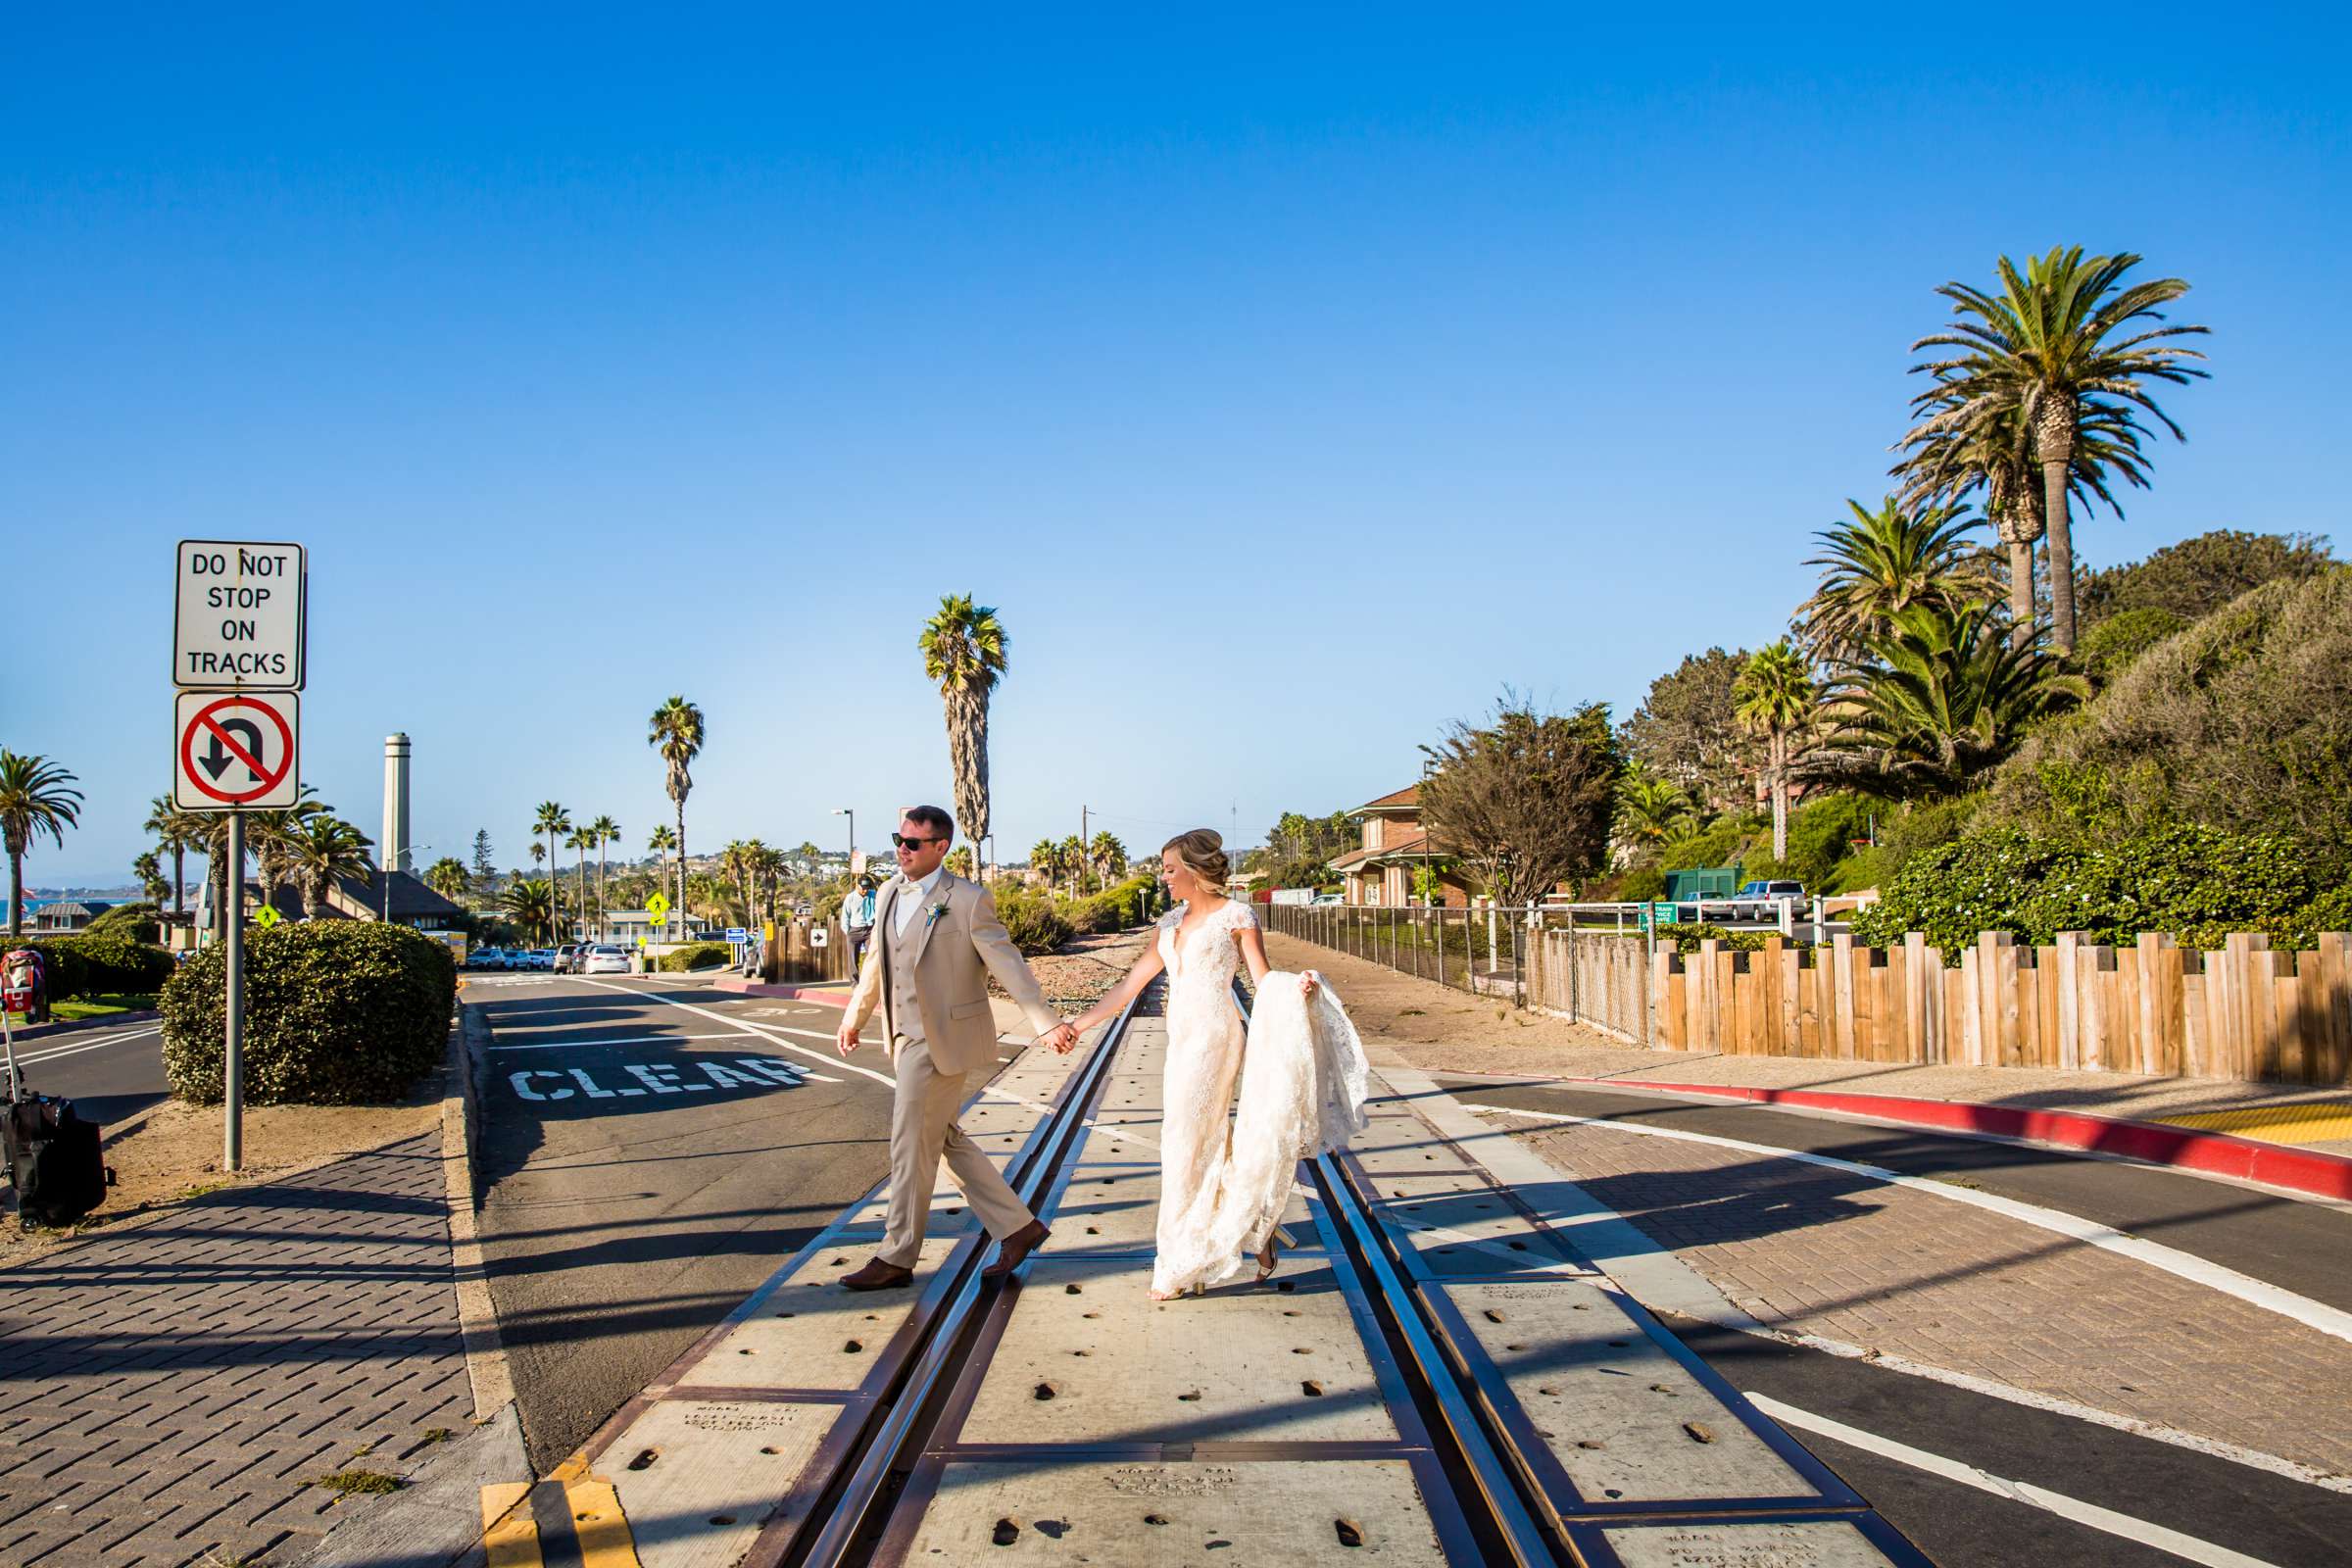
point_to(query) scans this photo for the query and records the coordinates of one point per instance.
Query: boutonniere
(932, 914)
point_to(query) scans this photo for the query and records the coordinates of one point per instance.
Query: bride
(1302, 1077)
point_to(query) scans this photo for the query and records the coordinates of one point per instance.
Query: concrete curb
(460, 1127)
(2299, 1170)
(823, 991)
(74, 1027)
(436, 1518)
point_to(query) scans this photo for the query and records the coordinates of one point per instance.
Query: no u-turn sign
(236, 749)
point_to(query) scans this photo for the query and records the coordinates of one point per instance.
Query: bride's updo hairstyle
(1202, 852)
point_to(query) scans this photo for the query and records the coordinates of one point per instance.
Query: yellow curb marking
(604, 1530)
(2302, 1122)
(510, 1534)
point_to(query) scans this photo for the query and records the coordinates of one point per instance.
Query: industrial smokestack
(393, 849)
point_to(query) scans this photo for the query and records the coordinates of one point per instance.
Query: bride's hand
(1307, 982)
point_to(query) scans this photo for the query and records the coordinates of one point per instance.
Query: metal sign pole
(232, 1061)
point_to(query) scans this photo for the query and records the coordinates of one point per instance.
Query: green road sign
(267, 917)
(1664, 913)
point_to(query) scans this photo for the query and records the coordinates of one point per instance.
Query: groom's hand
(845, 1038)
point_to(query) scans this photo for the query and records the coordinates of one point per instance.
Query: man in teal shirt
(858, 920)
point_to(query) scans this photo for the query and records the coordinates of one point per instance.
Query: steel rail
(1495, 1478)
(856, 1503)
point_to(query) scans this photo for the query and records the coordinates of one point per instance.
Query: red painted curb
(2218, 1154)
(755, 988)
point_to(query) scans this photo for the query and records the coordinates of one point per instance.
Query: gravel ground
(1086, 969)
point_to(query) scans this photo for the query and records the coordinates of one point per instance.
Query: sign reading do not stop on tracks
(236, 749)
(238, 614)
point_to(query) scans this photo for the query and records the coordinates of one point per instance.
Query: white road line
(2187, 1548)
(28, 1057)
(830, 1059)
(2051, 1405)
(635, 1040)
(2329, 1320)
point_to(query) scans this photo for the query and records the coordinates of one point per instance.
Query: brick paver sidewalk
(168, 1392)
(1820, 1251)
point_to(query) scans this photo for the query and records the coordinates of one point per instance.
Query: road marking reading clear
(771, 1034)
(2329, 1320)
(659, 1078)
(2187, 1548)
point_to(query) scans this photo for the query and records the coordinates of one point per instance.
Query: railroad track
(1482, 1395)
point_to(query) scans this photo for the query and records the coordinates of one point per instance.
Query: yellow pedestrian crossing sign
(657, 906)
(267, 917)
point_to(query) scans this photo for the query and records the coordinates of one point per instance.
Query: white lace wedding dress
(1224, 1180)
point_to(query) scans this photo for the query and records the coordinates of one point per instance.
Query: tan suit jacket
(952, 956)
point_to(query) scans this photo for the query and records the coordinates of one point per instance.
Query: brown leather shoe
(877, 1276)
(1012, 1249)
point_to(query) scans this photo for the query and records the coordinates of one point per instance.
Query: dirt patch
(173, 1153)
(1086, 969)
(1426, 1025)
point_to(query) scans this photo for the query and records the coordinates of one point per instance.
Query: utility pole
(1086, 845)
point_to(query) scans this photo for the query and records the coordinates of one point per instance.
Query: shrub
(137, 921)
(2197, 883)
(2243, 722)
(103, 964)
(338, 1012)
(696, 956)
(1114, 908)
(1687, 938)
(2113, 646)
(1641, 885)
(1032, 921)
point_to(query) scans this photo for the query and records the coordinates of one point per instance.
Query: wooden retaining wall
(2243, 1012)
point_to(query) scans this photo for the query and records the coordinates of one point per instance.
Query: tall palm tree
(531, 902)
(1960, 450)
(1045, 858)
(963, 649)
(1939, 699)
(180, 832)
(35, 799)
(551, 821)
(2067, 336)
(148, 867)
(607, 832)
(1070, 853)
(322, 851)
(1882, 563)
(1108, 856)
(676, 731)
(1775, 697)
(271, 837)
(448, 877)
(583, 840)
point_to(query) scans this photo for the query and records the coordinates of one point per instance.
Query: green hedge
(2198, 884)
(137, 921)
(1033, 921)
(105, 964)
(338, 1012)
(696, 956)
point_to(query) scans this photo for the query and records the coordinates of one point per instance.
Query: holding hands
(1061, 1037)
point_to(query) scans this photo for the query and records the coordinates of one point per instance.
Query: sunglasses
(903, 842)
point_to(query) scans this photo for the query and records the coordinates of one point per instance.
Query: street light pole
(844, 810)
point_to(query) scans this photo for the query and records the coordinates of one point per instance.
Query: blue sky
(1291, 381)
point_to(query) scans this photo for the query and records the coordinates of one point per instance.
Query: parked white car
(602, 960)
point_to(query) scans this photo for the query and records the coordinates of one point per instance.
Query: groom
(935, 941)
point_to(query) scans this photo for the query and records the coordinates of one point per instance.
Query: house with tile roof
(1397, 845)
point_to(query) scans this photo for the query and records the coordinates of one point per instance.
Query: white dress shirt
(914, 896)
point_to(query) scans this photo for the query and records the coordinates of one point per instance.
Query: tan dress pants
(922, 1128)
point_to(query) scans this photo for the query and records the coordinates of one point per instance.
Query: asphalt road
(111, 1074)
(651, 1151)
(2268, 1518)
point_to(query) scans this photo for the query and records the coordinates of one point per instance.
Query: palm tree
(2052, 345)
(1070, 856)
(148, 867)
(1108, 856)
(35, 799)
(1881, 564)
(1651, 809)
(734, 861)
(448, 877)
(676, 731)
(1775, 697)
(1940, 698)
(963, 649)
(1045, 858)
(181, 831)
(531, 902)
(551, 821)
(607, 832)
(271, 837)
(1955, 453)
(323, 851)
(582, 840)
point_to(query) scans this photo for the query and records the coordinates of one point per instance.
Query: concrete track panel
(1102, 1212)
(695, 1479)
(1629, 1426)
(1475, 1232)
(1089, 1358)
(1427, 1155)
(811, 1334)
(1801, 1543)
(1259, 1514)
